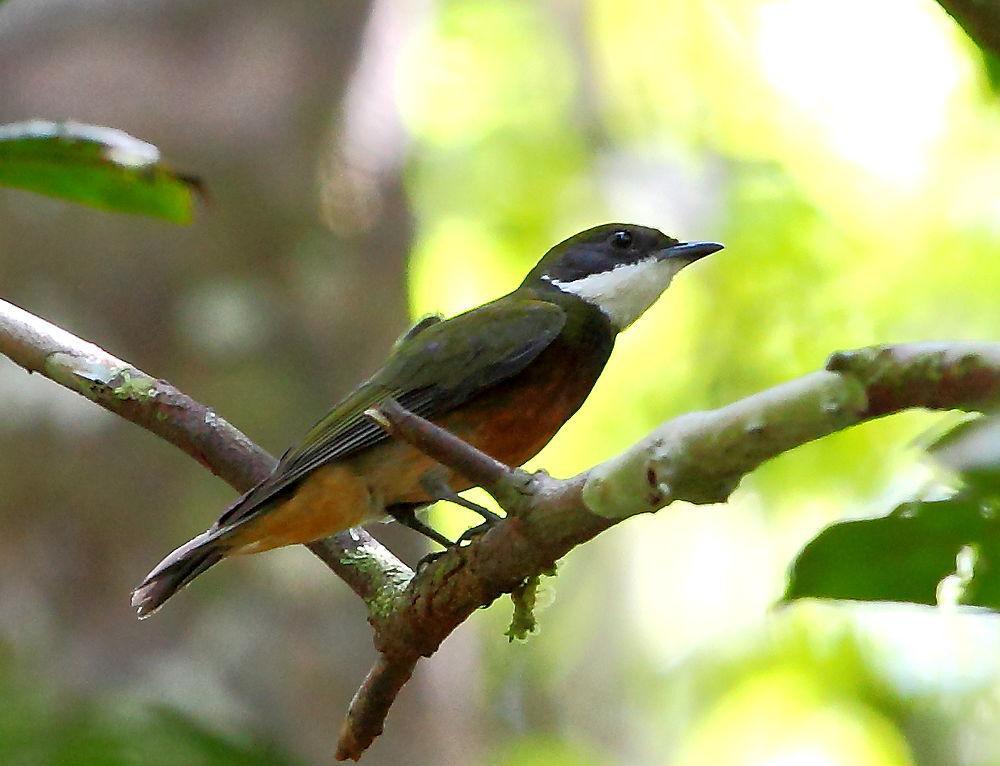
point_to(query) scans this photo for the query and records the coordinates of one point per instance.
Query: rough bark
(698, 457)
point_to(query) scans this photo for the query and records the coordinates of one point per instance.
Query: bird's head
(619, 268)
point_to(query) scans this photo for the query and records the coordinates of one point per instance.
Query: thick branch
(38, 346)
(699, 457)
(86, 369)
(394, 666)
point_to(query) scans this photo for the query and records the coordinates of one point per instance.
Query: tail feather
(175, 571)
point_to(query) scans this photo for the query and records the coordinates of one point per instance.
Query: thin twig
(440, 444)
(505, 484)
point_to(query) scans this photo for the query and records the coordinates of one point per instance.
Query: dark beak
(689, 251)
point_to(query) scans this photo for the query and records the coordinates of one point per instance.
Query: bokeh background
(370, 162)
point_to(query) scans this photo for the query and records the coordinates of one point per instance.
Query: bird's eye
(621, 240)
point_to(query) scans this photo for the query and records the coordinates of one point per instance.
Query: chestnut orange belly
(344, 494)
(511, 421)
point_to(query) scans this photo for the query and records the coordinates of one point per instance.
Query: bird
(504, 377)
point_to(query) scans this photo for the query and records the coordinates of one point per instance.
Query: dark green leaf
(991, 62)
(904, 556)
(96, 166)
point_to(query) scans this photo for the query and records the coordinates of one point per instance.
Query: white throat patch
(625, 292)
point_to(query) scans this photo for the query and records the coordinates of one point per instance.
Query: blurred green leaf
(546, 751)
(102, 167)
(211, 747)
(905, 556)
(86, 734)
(991, 63)
(40, 726)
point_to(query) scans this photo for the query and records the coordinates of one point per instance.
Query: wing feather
(440, 366)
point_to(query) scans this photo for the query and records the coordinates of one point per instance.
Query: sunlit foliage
(847, 154)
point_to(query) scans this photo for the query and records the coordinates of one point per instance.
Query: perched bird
(504, 377)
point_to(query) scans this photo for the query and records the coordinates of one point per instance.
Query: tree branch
(155, 405)
(39, 346)
(370, 706)
(698, 457)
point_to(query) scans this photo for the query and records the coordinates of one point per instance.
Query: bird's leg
(407, 516)
(439, 489)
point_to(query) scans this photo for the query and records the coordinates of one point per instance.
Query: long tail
(177, 570)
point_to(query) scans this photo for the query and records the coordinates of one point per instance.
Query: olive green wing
(429, 372)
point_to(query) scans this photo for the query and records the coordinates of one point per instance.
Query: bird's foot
(473, 532)
(426, 561)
